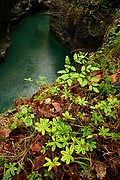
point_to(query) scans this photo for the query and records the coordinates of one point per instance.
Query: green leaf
(84, 83)
(69, 81)
(82, 75)
(90, 87)
(94, 79)
(28, 79)
(104, 132)
(73, 68)
(50, 163)
(61, 72)
(80, 80)
(95, 84)
(67, 60)
(95, 89)
(71, 149)
(67, 155)
(65, 76)
(83, 68)
(43, 126)
(75, 56)
(94, 68)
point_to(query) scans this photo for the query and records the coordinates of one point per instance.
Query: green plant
(57, 141)
(86, 131)
(54, 89)
(41, 81)
(67, 154)
(10, 170)
(106, 87)
(68, 116)
(40, 97)
(60, 127)
(43, 126)
(104, 132)
(81, 101)
(51, 164)
(34, 176)
(24, 116)
(81, 146)
(115, 136)
(49, 174)
(81, 57)
(69, 75)
(66, 93)
(66, 77)
(108, 106)
(97, 117)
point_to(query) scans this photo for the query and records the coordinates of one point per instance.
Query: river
(34, 52)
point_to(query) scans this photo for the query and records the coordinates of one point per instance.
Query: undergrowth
(70, 129)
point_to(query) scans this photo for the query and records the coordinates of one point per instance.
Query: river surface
(34, 52)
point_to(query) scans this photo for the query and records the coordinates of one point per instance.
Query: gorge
(34, 52)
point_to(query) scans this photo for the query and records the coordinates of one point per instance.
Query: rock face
(81, 24)
(10, 12)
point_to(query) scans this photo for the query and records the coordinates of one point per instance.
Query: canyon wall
(82, 24)
(11, 11)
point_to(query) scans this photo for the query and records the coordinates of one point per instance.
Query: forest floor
(67, 130)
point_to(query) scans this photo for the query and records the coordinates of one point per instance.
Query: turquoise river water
(34, 52)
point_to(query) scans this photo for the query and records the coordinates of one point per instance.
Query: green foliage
(81, 58)
(51, 164)
(67, 154)
(81, 101)
(10, 170)
(24, 116)
(106, 107)
(67, 116)
(34, 176)
(66, 93)
(43, 126)
(115, 136)
(97, 117)
(49, 174)
(69, 75)
(86, 131)
(54, 89)
(40, 97)
(41, 80)
(81, 146)
(104, 132)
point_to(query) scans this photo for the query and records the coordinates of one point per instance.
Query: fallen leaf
(114, 78)
(38, 163)
(75, 177)
(46, 112)
(100, 168)
(7, 147)
(47, 101)
(5, 132)
(118, 70)
(57, 106)
(35, 147)
(97, 74)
